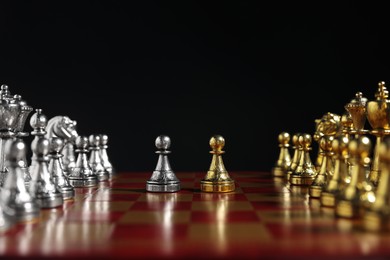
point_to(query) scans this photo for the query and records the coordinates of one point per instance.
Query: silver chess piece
(13, 114)
(82, 175)
(163, 178)
(95, 160)
(6, 221)
(42, 186)
(56, 169)
(38, 122)
(16, 201)
(104, 156)
(65, 128)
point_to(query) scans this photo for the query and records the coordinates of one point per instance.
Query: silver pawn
(38, 122)
(6, 221)
(15, 198)
(56, 168)
(104, 156)
(163, 178)
(94, 158)
(42, 186)
(82, 175)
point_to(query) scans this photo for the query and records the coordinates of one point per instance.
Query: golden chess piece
(284, 161)
(320, 153)
(305, 172)
(297, 152)
(357, 109)
(337, 182)
(346, 125)
(353, 197)
(378, 115)
(328, 125)
(217, 178)
(326, 170)
(347, 130)
(377, 215)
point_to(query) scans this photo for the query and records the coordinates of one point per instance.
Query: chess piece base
(315, 191)
(346, 209)
(221, 186)
(67, 192)
(288, 175)
(328, 199)
(374, 221)
(5, 222)
(171, 186)
(52, 201)
(278, 172)
(88, 181)
(27, 212)
(301, 180)
(27, 217)
(102, 176)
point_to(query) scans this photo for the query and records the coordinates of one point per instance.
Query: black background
(191, 69)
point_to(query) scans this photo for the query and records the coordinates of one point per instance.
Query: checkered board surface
(264, 218)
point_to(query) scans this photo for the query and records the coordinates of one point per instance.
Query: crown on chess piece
(163, 178)
(217, 178)
(357, 109)
(13, 116)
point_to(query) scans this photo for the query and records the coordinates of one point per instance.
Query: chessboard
(264, 218)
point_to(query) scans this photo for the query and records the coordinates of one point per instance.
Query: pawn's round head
(326, 142)
(163, 142)
(16, 150)
(81, 142)
(94, 140)
(305, 140)
(41, 147)
(38, 120)
(217, 142)
(295, 139)
(284, 138)
(56, 144)
(103, 139)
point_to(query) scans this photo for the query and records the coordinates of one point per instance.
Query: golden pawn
(297, 152)
(378, 214)
(284, 161)
(378, 115)
(305, 172)
(337, 182)
(353, 197)
(328, 125)
(217, 178)
(326, 170)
